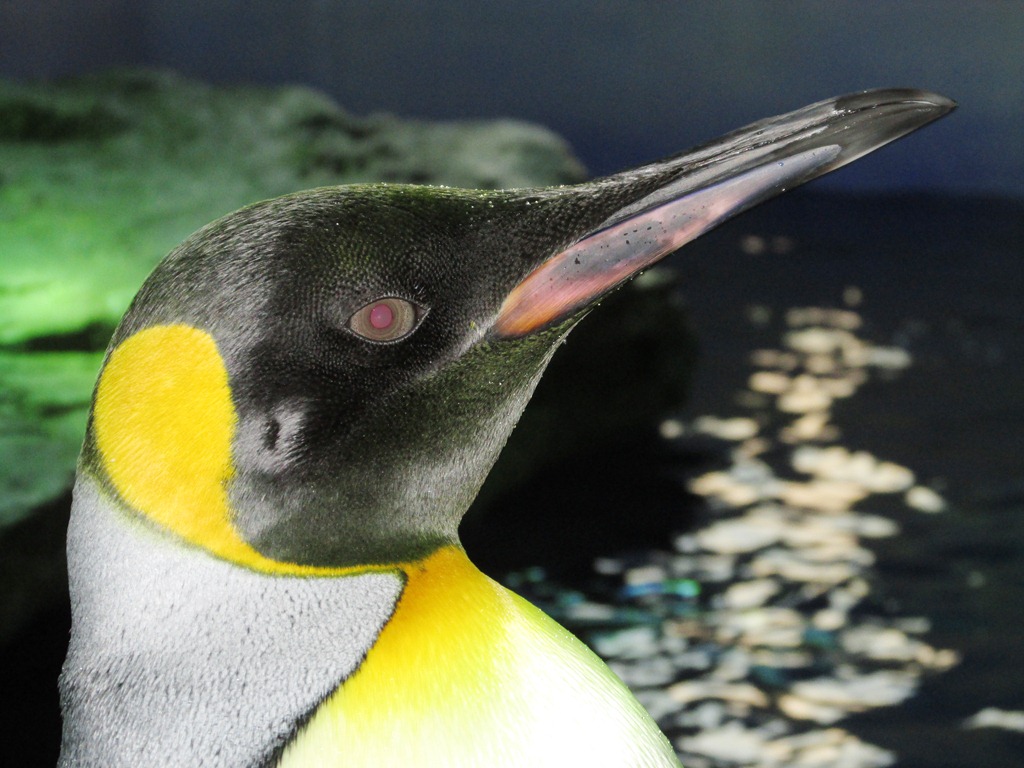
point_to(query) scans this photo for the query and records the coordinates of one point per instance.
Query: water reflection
(760, 632)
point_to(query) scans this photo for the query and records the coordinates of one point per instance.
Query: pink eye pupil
(385, 320)
(381, 317)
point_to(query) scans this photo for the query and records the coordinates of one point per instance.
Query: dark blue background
(625, 82)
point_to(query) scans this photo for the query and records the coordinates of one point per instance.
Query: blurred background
(890, 290)
(624, 82)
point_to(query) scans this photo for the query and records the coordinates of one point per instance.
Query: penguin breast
(466, 673)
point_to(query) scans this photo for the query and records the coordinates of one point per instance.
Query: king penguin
(289, 423)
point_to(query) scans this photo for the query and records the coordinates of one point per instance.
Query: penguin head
(323, 381)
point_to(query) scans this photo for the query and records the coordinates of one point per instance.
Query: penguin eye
(387, 319)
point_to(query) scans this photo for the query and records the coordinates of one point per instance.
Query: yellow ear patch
(164, 422)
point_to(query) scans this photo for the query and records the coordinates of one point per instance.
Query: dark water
(943, 279)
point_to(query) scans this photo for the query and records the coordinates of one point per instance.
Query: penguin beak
(701, 189)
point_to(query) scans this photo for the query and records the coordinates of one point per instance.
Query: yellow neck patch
(164, 421)
(425, 667)
(466, 674)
